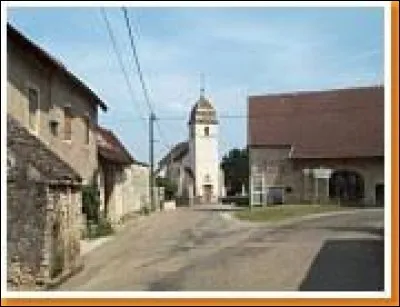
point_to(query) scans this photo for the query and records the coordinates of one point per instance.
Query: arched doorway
(347, 186)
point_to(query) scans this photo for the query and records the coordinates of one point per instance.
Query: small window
(288, 189)
(206, 131)
(87, 129)
(67, 123)
(33, 97)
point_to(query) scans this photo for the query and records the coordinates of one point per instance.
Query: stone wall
(124, 190)
(43, 232)
(42, 191)
(64, 229)
(26, 222)
(280, 171)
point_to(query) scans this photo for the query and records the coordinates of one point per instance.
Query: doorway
(207, 193)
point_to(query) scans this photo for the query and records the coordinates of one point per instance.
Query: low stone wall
(26, 218)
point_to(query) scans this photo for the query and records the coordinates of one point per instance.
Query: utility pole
(151, 153)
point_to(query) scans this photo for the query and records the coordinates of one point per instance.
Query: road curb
(229, 216)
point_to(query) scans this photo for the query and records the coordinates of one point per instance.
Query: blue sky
(241, 51)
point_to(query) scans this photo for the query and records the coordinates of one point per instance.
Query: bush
(101, 229)
(91, 203)
(104, 228)
(241, 201)
(170, 188)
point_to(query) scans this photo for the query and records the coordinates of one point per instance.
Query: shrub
(104, 228)
(170, 188)
(91, 202)
(241, 201)
(101, 229)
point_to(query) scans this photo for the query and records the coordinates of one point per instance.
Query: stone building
(43, 212)
(317, 147)
(194, 164)
(123, 181)
(52, 103)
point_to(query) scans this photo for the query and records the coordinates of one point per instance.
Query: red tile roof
(326, 124)
(110, 148)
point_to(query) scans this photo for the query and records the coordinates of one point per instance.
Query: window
(206, 131)
(67, 123)
(33, 97)
(87, 130)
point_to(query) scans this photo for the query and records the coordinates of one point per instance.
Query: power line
(140, 74)
(122, 67)
(152, 116)
(120, 62)
(136, 58)
(259, 116)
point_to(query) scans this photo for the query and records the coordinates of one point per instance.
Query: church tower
(203, 148)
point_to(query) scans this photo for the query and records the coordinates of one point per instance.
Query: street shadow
(347, 265)
(376, 231)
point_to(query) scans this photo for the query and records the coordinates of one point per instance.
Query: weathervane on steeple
(201, 85)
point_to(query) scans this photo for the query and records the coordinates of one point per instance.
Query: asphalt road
(202, 251)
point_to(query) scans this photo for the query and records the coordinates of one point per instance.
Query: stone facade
(277, 170)
(124, 191)
(123, 182)
(26, 221)
(29, 68)
(317, 146)
(43, 210)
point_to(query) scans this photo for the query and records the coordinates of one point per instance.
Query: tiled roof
(111, 148)
(325, 124)
(203, 112)
(176, 153)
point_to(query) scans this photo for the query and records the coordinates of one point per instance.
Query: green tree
(236, 170)
(170, 188)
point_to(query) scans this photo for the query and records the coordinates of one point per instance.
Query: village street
(201, 250)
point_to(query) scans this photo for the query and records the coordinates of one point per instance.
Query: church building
(193, 165)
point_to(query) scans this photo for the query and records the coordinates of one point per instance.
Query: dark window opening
(346, 186)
